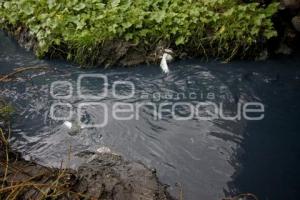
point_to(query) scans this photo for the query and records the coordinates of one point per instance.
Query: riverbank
(105, 176)
(94, 33)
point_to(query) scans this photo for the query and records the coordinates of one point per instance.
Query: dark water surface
(209, 159)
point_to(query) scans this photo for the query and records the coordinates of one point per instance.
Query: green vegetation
(5, 111)
(24, 180)
(79, 28)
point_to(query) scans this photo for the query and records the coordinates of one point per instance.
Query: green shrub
(5, 112)
(214, 27)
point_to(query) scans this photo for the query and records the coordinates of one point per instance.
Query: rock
(291, 4)
(110, 177)
(264, 55)
(296, 23)
(25, 39)
(283, 49)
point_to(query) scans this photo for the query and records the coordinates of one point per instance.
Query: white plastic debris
(104, 150)
(99, 151)
(167, 57)
(68, 124)
(73, 128)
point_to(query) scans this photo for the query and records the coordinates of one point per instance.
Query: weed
(79, 28)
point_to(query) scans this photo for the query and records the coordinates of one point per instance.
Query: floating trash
(167, 57)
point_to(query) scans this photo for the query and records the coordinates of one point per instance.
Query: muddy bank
(122, 53)
(110, 53)
(106, 176)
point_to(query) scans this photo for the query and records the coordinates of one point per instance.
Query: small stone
(153, 170)
(291, 4)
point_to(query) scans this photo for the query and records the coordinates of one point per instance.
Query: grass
(19, 178)
(81, 30)
(40, 183)
(5, 110)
